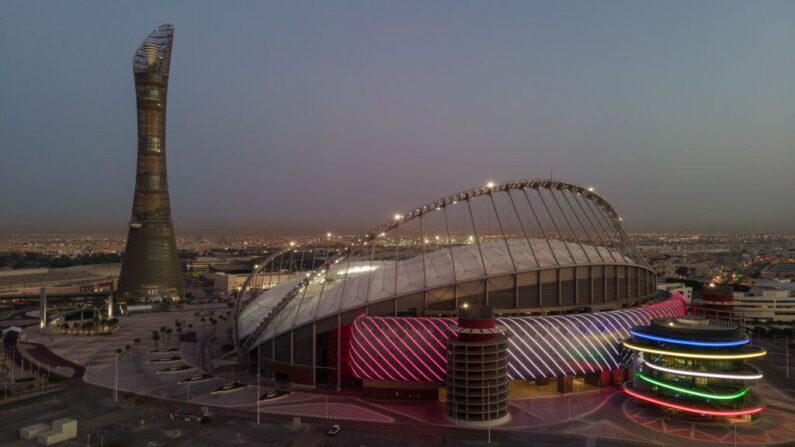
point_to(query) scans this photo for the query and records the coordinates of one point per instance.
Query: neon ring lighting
(710, 344)
(690, 355)
(683, 372)
(736, 395)
(694, 410)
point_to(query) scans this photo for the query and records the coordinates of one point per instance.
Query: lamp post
(258, 375)
(568, 399)
(116, 380)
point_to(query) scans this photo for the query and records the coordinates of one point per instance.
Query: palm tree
(155, 338)
(137, 342)
(168, 334)
(203, 320)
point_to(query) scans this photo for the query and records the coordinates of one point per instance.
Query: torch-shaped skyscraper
(151, 268)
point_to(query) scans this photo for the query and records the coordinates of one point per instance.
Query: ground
(589, 418)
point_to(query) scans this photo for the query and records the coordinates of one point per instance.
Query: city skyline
(297, 118)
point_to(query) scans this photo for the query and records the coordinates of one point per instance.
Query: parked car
(334, 430)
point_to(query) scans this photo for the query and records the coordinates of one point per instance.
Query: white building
(678, 287)
(766, 305)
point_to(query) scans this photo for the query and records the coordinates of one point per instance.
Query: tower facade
(151, 268)
(477, 369)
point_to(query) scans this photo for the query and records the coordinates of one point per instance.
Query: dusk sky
(289, 117)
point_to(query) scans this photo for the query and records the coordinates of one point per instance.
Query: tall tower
(151, 269)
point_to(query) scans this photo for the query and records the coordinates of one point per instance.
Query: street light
(258, 379)
(116, 380)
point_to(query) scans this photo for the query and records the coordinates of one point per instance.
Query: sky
(294, 116)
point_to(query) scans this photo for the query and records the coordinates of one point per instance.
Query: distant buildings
(72, 280)
(765, 302)
(779, 270)
(151, 268)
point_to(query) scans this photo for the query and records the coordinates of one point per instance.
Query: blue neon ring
(711, 344)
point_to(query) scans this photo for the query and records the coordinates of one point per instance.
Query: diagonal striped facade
(413, 349)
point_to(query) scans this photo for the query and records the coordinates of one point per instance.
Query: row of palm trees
(164, 333)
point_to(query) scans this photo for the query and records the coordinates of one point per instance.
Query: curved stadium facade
(550, 257)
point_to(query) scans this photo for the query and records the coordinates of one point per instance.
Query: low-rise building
(685, 290)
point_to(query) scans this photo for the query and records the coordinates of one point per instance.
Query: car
(334, 430)
(271, 394)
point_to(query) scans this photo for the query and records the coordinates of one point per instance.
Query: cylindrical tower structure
(151, 268)
(694, 368)
(477, 379)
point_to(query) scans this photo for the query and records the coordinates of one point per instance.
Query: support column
(565, 384)
(619, 375)
(110, 306)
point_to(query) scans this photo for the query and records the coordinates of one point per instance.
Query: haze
(289, 117)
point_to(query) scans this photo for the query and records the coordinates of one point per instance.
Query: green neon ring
(736, 395)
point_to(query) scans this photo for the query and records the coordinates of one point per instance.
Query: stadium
(550, 258)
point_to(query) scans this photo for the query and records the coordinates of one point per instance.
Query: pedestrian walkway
(775, 426)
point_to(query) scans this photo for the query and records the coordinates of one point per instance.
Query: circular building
(477, 379)
(695, 368)
(543, 249)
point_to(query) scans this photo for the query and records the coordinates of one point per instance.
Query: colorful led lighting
(711, 344)
(683, 372)
(690, 355)
(662, 403)
(736, 395)
(414, 348)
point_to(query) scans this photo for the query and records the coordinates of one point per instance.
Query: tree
(203, 320)
(137, 342)
(155, 338)
(168, 334)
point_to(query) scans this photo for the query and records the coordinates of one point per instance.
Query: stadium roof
(482, 233)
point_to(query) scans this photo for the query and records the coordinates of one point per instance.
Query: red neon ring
(694, 410)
